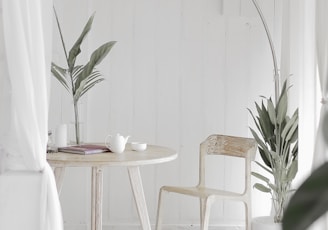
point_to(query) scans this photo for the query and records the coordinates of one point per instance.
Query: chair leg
(202, 210)
(159, 211)
(205, 208)
(248, 216)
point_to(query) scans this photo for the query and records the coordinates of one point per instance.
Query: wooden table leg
(59, 177)
(96, 198)
(139, 196)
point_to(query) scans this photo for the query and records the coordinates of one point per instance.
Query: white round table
(129, 158)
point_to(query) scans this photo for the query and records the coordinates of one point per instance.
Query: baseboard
(165, 227)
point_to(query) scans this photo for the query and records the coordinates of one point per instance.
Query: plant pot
(265, 223)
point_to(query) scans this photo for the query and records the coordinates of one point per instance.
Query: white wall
(181, 70)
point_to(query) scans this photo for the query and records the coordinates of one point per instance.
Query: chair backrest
(228, 146)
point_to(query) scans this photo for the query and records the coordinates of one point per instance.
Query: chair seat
(204, 192)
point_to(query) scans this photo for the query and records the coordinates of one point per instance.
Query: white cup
(137, 146)
(61, 135)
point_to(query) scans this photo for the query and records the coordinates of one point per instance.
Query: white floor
(168, 227)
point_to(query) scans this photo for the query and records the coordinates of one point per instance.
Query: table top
(152, 155)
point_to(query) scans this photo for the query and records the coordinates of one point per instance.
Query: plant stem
(76, 109)
(77, 126)
(61, 34)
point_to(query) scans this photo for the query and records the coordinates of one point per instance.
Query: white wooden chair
(217, 145)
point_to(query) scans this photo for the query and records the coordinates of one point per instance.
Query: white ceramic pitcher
(116, 143)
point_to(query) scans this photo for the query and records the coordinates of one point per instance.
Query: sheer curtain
(298, 60)
(313, 123)
(321, 149)
(25, 70)
(321, 145)
(308, 99)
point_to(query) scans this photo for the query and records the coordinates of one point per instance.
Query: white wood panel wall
(180, 71)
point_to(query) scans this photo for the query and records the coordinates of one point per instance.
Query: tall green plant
(78, 79)
(278, 147)
(277, 139)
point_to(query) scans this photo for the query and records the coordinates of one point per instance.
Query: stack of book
(84, 149)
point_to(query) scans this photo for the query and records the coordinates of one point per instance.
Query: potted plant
(278, 147)
(78, 79)
(277, 138)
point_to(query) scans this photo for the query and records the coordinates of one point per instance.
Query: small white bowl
(137, 146)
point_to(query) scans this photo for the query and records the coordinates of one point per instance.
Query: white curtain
(298, 66)
(25, 71)
(321, 144)
(308, 95)
(321, 150)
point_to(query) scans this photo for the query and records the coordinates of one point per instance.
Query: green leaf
(60, 33)
(271, 111)
(263, 167)
(295, 150)
(309, 202)
(93, 79)
(294, 137)
(76, 50)
(264, 157)
(265, 123)
(292, 131)
(262, 188)
(97, 56)
(255, 121)
(273, 187)
(274, 155)
(290, 128)
(259, 176)
(60, 74)
(78, 92)
(88, 86)
(77, 71)
(292, 171)
(261, 144)
(282, 105)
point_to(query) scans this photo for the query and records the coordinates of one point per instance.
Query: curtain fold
(25, 75)
(308, 110)
(321, 149)
(25, 140)
(321, 143)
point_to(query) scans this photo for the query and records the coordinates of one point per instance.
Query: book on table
(84, 149)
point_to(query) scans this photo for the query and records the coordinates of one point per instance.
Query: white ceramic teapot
(116, 143)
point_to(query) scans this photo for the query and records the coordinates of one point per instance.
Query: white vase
(72, 133)
(265, 223)
(77, 126)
